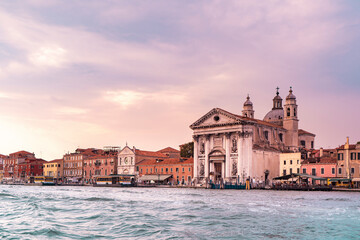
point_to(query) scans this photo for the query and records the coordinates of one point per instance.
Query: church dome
(291, 95)
(274, 116)
(248, 102)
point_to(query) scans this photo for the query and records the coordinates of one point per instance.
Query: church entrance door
(217, 167)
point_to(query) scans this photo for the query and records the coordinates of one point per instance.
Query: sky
(110, 73)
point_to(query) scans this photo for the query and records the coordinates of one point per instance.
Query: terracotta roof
(150, 154)
(54, 161)
(168, 161)
(303, 132)
(351, 147)
(169, 150)
(323, 160)
(21, 152)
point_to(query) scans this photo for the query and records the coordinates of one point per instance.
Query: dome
(275, 115)
(291, 95)
(248, 102)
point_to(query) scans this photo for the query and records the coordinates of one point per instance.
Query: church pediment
(126, 150)
(217, 117)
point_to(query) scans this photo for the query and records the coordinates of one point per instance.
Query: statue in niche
(234, 146)
(234, 168)
(202, 147)
(202, 169)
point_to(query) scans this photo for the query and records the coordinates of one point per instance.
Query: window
(166, 169)
(333, 171)
(137, 168)
(189, 169)
(302, 143)
(141, 170)
(340, 156)
(150, 170)
(162, 170)
(313, 171)
(353, 156)
(281, 137)
(177, 169)
(284, 162)
(288, 112)
(312, 144)
(156, 170)
(340, 171)
(290, 162)
(170, 169)
(358, 155)
(183, 169)
(352, 170)
(290, 170)
(322, 171)
(146, 170)
(105, 171)
(298, 170)
(304, 170)
(294, 112)
(297, 161)
(266, 135)
(284, 172)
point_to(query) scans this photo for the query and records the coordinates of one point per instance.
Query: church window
(281, 137)
(266, 134)
(216, 118)
(288, 112)
(302, 143)
(312, 144)
(294, 112)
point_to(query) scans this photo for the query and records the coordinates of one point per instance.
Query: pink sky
(99, 73)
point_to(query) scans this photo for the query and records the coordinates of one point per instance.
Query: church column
(207, 151)
(227, 173)
(196, 159)
(240, 157)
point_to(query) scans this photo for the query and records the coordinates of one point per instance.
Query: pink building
(325, 167)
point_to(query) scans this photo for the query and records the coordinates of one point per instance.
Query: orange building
(11, 164)
(103, 164)
(171, 170)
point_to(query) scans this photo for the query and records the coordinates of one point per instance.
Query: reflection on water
(36, 212)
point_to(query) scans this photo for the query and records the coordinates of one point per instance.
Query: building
(30, 168)
(102, 164)
(74, 163)
(173, 170)
(348, 156)
(230, 147)
(290, 163)
(128, 158)
(54, 168)
(11, 164)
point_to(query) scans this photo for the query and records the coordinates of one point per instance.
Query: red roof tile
(303, 132)
(149, 154)
(168, 161)
(169, 150)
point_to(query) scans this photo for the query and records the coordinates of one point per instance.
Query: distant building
(128, 158)
(348, 156)
(173, 170)
(290, 163)
(15, 166)
(102, 164)
(54, 168)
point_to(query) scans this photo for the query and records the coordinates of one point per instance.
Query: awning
(157, 177)
(356, 180)
(339, 180)
(302, 175)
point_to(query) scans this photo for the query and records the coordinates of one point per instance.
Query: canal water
(37, 212)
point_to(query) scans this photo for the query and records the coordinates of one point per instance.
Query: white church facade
(230, 147)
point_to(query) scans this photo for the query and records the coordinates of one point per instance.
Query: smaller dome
(291, 95)
(248, 102)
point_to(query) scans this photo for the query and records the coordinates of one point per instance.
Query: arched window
(294, 112)
(281, 137)
(288, 112)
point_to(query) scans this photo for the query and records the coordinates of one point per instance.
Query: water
(34, 212)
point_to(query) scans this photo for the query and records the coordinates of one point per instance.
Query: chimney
(347, 145)
(321, 152)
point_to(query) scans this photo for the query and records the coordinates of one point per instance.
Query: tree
(187, 150)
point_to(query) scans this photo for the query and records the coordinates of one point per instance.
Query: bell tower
(291, 122)
(248, 110)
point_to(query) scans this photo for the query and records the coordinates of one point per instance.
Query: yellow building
(54, 169)
(290, 163)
